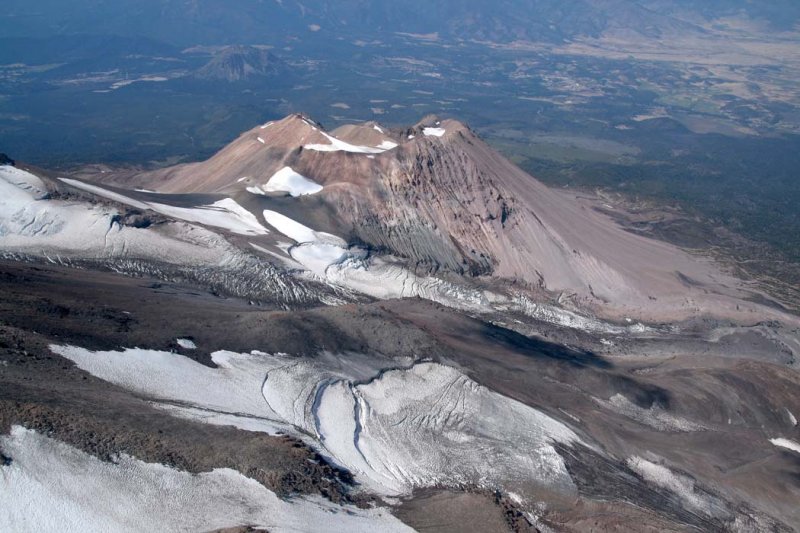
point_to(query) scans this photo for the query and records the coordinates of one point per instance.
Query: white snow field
(297, 231)
(337, 145)
(231, 390)
(31, 223)
(387, 145)
(434, 132)
(786, 443)
(27, 216)
(422, 426)
(395, 429)
(50, 486)
(287, 180)
(186, 344)
(225, 213)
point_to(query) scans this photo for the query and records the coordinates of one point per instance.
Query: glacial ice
(50, 486)
(396, 429)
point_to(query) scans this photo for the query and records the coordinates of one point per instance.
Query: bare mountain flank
(440, 197)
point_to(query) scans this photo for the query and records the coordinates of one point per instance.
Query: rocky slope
(374, 329)
(436, 195)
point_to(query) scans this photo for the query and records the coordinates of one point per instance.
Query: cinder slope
(440, 197)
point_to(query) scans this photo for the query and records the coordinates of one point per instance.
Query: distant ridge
(240, 63)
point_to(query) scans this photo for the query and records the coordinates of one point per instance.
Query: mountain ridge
(208, 22)
(239, 63)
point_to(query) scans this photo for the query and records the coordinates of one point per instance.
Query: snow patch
(337, 145)
(434, 132)
(187, 344)
(315, 250)
(786, 443)
(225, 213)
(294, 230)
(387, 145)
(683, 486)
(287, 180)
(655, 416)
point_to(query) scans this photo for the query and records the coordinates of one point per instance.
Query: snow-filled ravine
(396, 425)
(50, 486)
(337, 145)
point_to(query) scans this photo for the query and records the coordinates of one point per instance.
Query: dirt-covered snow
(683, 486)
